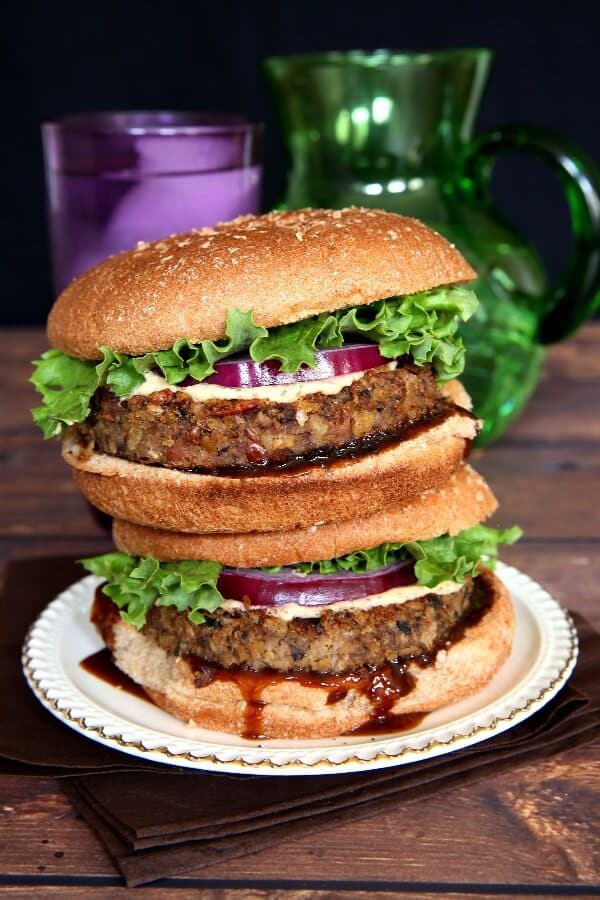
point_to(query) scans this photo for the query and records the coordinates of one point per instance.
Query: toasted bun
(293, 710)
(284, 266)
(181, 501)
(463, 501)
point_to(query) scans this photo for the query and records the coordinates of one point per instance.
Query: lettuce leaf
(422, 326)
(135, 584)
(456, 558)
(198, 360)
(295, 345)
(66, 386)
(444, 558)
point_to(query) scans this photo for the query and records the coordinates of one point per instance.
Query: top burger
(317, 343)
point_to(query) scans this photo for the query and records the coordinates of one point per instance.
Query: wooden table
(530, 831)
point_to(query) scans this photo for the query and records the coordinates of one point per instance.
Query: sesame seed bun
(189, 502)
(463, 501)
(294, 710)
(284, 266)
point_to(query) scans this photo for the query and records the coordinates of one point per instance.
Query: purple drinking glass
(116, 178)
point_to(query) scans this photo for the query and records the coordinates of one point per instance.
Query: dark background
(61, 57)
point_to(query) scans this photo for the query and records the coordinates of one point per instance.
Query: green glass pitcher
(394, 130)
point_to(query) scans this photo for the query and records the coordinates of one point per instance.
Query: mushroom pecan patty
(334, 643)
(169, 428)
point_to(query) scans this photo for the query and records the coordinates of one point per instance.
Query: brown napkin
(29, 734)
(158, 821)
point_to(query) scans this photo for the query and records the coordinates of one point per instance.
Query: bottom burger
(260, 642)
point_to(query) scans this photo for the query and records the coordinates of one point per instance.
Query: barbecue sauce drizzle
(101, 665)
(383, 686)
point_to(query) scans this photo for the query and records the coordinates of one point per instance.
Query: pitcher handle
(576, 295)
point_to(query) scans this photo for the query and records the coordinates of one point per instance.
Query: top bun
(285, 266)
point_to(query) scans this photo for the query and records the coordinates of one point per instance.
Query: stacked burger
(271, 413)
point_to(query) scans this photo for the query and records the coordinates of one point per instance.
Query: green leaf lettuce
(422, 326)
(135, 584)
(444, 558)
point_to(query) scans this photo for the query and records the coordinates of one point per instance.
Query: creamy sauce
(399, 595)
(278, 393)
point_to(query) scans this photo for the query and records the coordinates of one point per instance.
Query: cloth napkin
(157, 821)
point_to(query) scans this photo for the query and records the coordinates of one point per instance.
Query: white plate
(543, 657)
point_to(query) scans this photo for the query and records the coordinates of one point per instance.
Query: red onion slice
(243, 372)
(288, 586)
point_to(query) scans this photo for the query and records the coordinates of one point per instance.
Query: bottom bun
(291, 708)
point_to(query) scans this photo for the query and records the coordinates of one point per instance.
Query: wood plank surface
(541, 815)
(531, 830)
(172, 892)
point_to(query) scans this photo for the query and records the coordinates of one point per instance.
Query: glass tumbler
(116, 178)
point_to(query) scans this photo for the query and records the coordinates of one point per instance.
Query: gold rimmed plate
(543, 656)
